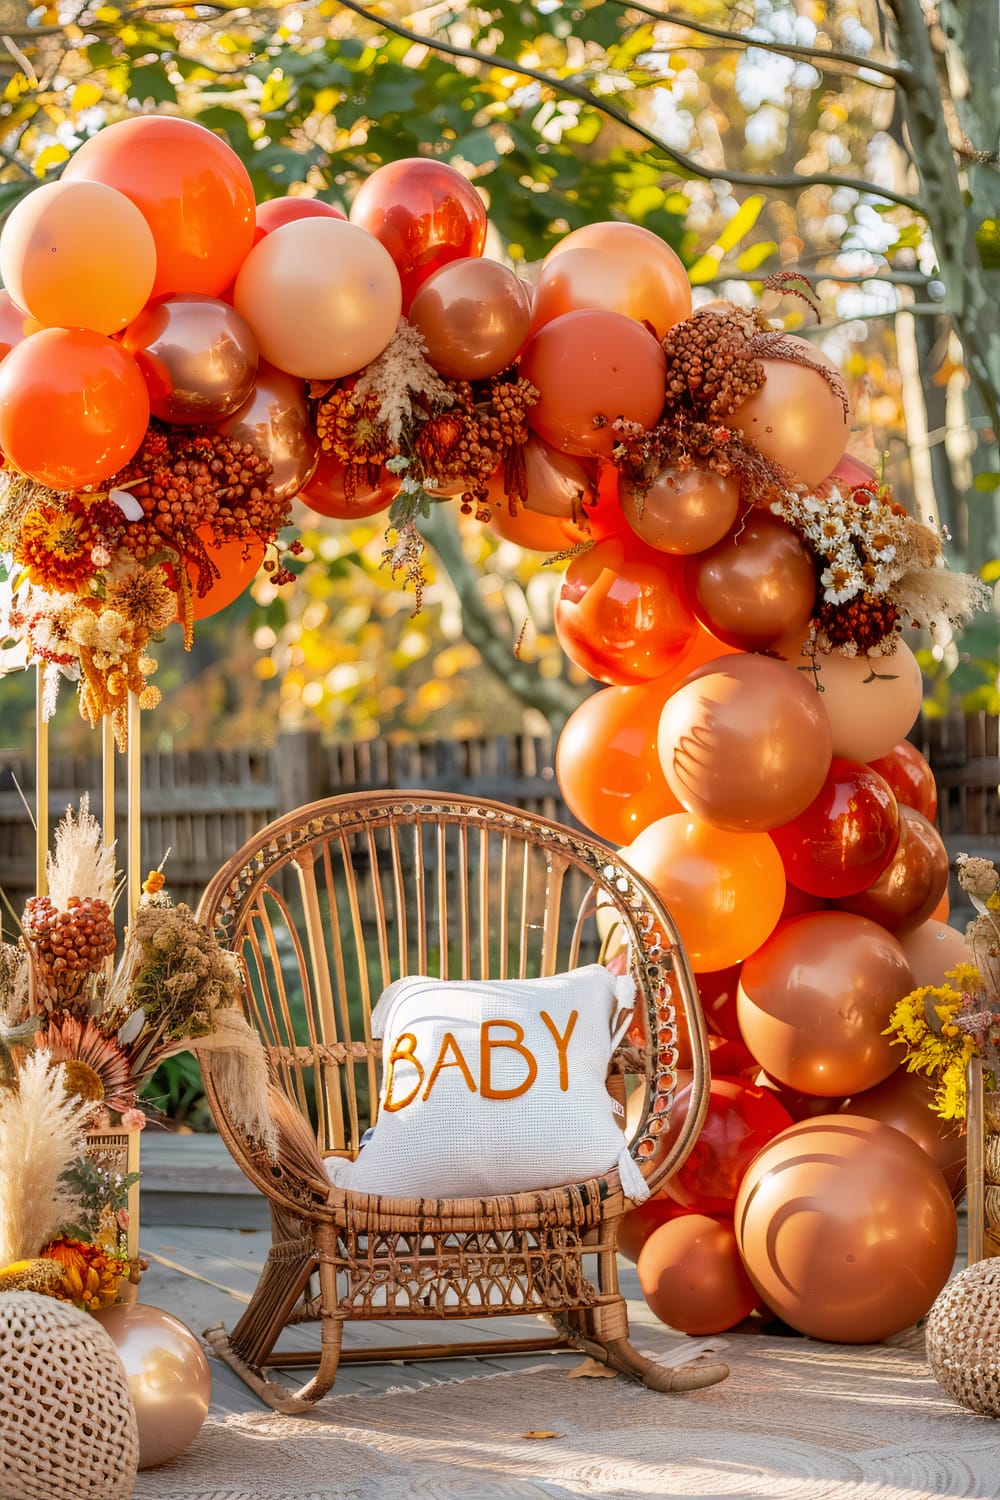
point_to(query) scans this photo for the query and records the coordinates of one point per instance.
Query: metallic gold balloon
(682, 511)
(168, 1376)
(905, 1101)
(815, 998)
(275, 419)
(474, 316)
(797, 418)
(755, 586)
(744, 743)
(910, 887)
(846, 1228)
(197, 355)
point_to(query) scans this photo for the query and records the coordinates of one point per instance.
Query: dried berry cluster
(69, 944)
(486, 428)
(712, 363)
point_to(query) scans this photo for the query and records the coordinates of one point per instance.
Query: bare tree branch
(782, 183)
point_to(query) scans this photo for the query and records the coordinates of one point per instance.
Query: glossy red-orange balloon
(717, 993)
(814, 1001)
(533, 531)
(425, 213)
(744, 743)
(684, 511)
(692, 1275)
(607, 764)
(191, 188)
(603, 514)
(740, 1120)
(797, 417)
(910, 777)
(621, 614)
(843, 841)
(473, 315)
(846, 1228)
(277, 211)
(616, 266)
(237, 562)
(755, 586)
(724, 890)
(592, 368)
(905, 1101)
(911, 885)
(326, 492)
(73, 407)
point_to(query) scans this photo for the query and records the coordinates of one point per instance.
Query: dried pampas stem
(42, 1130)
(80, 865)
(239, 1071)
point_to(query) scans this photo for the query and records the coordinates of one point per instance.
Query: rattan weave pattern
(963, 1338)
(67, 1423)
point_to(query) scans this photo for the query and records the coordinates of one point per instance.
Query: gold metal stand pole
(107, 781)
(974, 1172)
(41, 789)
(134, 773)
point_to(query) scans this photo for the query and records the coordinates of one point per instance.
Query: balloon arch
(738, 584)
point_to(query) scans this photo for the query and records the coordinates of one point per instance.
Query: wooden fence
(202, 805)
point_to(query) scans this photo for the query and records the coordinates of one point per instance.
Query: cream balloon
(932, 949)
(168, 1375)
(799, 418)
(322, 297)
(872, 702)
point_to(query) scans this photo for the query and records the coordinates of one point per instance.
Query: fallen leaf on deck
(592, 1368)
(542, 1434)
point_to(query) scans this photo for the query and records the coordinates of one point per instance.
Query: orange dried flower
(90, 1274)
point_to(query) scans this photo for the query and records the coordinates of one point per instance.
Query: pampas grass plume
(42, 1130)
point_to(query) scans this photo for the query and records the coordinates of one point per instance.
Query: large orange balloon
(533, 531)
(683, 511)
(724, 890)
(592, 368)
(473, 315)
(815, 999)
(618, 267)
(607, 763)
(756, 586)
(846, 1228)
(911, 885)
(905, 1101)
(425, 213)
(322, 297)
(621, 614)
(73, 407)
(635, 1227)
(190, 187)
(744, 743)
(237, 562)
(872, 702)
(798, 418)
(692, 1276)
(55, 265)
(910, 777)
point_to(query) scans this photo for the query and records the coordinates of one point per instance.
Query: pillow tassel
(633, 1183)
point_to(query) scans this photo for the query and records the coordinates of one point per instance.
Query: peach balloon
(15, 323)
(592, 368)
(910, 887)
(473, 315)
(872, 702)
(54, 259)
(607, 764)
(755, 586)
(682, 511)
(905, 1101)
(846, 1228)
(743, 743)
(724, 890)
(322, 297)
(692, 1276)
(815, 999)
(799, 418)
(616, 266)
(932, 949)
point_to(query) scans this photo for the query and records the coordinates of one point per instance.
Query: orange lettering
(486, 1046)
(562, 1043)
(400, 1053)
(449, 1044)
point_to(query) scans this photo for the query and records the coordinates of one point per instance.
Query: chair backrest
(329, 904)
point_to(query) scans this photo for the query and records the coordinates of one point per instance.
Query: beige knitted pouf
(963, 1337)
(67, 1424)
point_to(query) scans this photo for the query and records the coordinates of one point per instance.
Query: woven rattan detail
(67, 1424)
(963, 1338)
(991, 1205)
(991, 1157)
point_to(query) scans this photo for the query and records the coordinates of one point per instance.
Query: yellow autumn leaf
(542, 1434)
(742, 222)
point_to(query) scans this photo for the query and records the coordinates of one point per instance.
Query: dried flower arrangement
(78, 1040)
(942, 1026)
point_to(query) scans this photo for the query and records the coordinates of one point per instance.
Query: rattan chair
(328, 905)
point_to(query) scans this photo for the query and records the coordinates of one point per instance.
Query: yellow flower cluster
(924, 1022)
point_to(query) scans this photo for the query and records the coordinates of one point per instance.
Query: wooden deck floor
(204, 1234)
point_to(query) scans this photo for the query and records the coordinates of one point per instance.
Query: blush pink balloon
(932, 949)
(799, 417)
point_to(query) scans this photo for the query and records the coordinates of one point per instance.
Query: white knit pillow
(495, 1086)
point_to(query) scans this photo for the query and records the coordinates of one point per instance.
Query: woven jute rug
(796, 1420)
